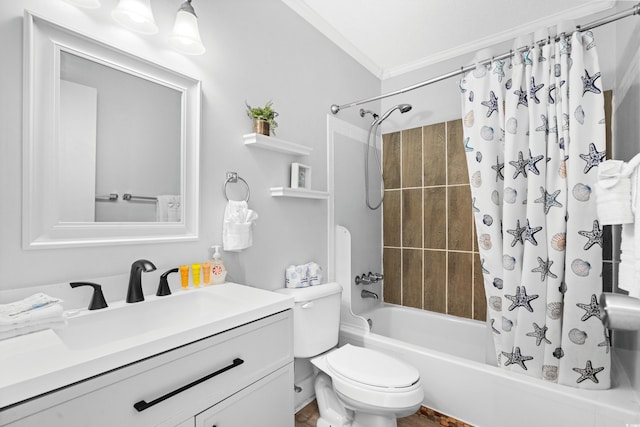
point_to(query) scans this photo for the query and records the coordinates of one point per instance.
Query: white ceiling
(392, 37)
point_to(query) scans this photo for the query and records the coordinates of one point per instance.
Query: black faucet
(97, 300)
(134, 292)
(163, 286)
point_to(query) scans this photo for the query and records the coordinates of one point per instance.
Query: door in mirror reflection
(119, 134)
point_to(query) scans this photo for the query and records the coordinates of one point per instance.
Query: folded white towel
(629, 268)
(33, 327)
(614, 196)
(168, 208)
(236, 228)
(51, 312)
(34, 307)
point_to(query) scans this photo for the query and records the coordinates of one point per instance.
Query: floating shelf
(298, 192)
(275, 144)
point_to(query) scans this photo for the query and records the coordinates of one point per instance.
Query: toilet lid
(372, 368)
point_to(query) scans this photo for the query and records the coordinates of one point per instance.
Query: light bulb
(87, 4)
(136, 15)
(185, 36)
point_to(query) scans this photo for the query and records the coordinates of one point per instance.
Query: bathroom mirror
(111, 144)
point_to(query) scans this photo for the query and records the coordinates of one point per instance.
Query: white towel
(614, 198)
(35, 307)
(629, 269)
(236, 228)
(33, 327)
(32, 314)
(168, 208)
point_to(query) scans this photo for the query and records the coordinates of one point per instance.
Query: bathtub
(460, 379)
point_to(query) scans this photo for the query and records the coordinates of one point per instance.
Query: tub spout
(368, 294)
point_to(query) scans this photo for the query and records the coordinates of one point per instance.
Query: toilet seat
(372, 368)
(364, 378)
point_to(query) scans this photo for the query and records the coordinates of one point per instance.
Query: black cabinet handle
(142, 405)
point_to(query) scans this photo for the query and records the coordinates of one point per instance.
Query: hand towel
(33, 327)
(629, 269)
(236, 228)
(168, 208)
(34, 307)
(614, 198)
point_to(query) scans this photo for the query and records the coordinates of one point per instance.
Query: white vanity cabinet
(240, 377)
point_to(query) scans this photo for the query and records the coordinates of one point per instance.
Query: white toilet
(356, 387)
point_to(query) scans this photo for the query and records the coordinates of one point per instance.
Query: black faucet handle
(97, 300)
(163, 287)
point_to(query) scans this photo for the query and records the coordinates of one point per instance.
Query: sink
(122, 321)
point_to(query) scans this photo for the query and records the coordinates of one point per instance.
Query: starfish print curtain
(534, 134)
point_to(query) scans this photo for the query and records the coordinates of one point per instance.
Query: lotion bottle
(218, 270)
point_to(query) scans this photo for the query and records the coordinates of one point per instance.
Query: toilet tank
(316, 318)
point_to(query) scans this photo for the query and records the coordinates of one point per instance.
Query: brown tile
(391, 160)
(435, 154)
(435, 218)
(456, 156)
(479, 298)
(392, 265)
(608, 96)
(391, 218)
(412, 218)
(435, 281)
(460, 232)
(412, 278)
(459, 290)
(412, 158)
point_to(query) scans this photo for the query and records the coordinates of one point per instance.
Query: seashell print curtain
(534, 134)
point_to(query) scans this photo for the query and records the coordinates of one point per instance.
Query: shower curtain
(534, 134)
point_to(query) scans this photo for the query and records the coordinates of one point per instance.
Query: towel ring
(233, 177)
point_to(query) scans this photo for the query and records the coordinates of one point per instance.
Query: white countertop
(33, 364)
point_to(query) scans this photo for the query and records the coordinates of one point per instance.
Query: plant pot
(261, 127)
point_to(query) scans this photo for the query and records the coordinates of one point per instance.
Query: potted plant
(264, 118)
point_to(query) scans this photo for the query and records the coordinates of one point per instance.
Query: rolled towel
(236, 228)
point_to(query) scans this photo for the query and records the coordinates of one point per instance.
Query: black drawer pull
(142, 405)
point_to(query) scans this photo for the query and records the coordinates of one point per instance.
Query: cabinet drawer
(262, 347)
(266, 403)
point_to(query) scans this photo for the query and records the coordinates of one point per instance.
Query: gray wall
(256, 51)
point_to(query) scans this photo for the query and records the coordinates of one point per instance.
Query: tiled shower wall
(430, 256)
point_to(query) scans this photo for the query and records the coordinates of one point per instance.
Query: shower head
(364, 112)
(402, 107)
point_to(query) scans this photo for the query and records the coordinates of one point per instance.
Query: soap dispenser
(218, 270)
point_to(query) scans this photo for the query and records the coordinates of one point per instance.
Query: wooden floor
(308, 416)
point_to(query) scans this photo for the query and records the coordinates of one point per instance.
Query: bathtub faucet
(367, 279)
(368, 294)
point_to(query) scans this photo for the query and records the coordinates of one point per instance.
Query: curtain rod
(635, 10)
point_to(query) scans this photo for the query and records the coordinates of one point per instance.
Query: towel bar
(233, 177)
(130, 197)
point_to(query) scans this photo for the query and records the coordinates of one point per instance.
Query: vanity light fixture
(135, 15)
(185, 36)
(87, 4)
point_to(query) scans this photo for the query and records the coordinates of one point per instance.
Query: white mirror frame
(41, 227)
